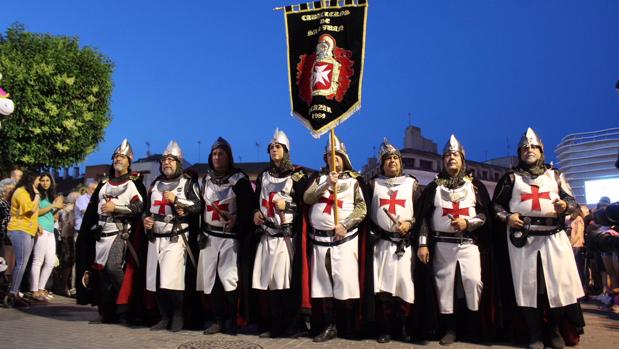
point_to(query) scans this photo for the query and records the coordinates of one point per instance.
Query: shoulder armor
(297, 176)
(353, 174)
(237, 176)
(134, 176)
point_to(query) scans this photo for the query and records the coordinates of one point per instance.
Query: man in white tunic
(392, 197)
(228, 201)
(452, 213)
(533, 200)
(279, 195)
(335, 253)
(113, 211)
(173, 199)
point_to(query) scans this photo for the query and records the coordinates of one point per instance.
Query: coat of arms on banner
(326, 72)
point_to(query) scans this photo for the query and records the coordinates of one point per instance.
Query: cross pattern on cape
(268, 204)
(329, 203)
(455, 211)
(162, 204)
(535, 197)
(392, 202)
(211, 208)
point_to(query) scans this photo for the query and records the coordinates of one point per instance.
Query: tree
(62, 99)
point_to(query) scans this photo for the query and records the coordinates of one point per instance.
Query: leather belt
(220, 234)
(452, 238)
(331, 233)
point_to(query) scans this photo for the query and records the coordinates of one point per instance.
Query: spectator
(80, 206)
(7, 186)
(22, 228)
(16, 174)
(576, 231)
(44, 254)
(67, 235)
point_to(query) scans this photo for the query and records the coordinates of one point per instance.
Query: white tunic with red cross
(344, 257)
(122, 194)
(272, 269)
(393, 273)
(459, 203)
(534, 198)
(219, 257)
(169, 256)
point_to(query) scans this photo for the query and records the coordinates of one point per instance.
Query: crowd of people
(326, 254)
(37, 231)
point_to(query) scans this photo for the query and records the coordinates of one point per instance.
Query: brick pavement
(62, 324)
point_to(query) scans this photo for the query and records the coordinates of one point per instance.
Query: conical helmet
(453, 145)
(124, 149)
(174, 150)
(530, 138)
(387, 148)
(280, 137)
(340, 149)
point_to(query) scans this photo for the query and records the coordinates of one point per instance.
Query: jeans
(22, 247)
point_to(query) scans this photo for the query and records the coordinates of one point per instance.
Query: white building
(588, 161)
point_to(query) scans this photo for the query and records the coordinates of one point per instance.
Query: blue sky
(484, 70)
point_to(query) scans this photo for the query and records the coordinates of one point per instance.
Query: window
(408, 163)
(425, 165)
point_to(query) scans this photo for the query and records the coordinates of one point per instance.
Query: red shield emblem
(326, 72)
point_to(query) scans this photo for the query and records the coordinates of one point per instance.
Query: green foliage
(62, 99)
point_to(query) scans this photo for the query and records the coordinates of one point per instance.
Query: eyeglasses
(169, 159)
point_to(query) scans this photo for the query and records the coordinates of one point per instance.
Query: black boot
(230, 327)
(177, 308)
(164, 311)
(384, 315)
(215, 327)
(556, 339)
(532, 318)
(450, 334)
(327, 334)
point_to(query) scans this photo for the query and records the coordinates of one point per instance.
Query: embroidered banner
(326, 51)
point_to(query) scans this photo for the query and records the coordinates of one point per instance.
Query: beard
(168, 172)
(118, 167)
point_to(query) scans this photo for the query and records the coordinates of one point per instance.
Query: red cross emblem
(329, 202)
(535, 196)
(211, 208)
(392, 202)
(268, 204)
(162, 204)
(456, 211)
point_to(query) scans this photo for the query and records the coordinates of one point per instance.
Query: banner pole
(333, 168)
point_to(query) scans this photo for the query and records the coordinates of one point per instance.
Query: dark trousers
(110, 281)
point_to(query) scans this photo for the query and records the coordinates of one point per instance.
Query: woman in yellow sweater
(22, 228)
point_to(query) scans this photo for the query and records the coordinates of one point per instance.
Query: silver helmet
(124, 149)
(387, 148)
(530, 138)
(279, 137)
(453, 145)
(340, 149)
(173, 150)
(223, 144)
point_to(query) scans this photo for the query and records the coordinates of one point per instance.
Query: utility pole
(199, 146)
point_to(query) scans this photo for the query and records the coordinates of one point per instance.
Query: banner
(326, 51)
